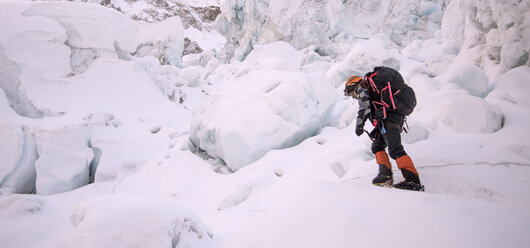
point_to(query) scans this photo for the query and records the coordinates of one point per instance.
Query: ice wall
(324, 25)
(495, 35)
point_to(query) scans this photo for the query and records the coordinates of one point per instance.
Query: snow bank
(249, 117)
(514, 86)
(64, 161)
(136, 221)
(325, 25)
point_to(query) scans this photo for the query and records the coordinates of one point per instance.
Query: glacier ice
(248, 118)
(10, 149)
(497, 31)
(64, 161)
(123, 149)
(471, 78)
(327, 25)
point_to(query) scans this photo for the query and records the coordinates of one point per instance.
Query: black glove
(359, 130)
(374, 133)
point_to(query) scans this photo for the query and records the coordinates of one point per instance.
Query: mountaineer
(385, 100)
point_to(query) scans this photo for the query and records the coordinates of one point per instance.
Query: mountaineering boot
(412, 179)
(384, 178)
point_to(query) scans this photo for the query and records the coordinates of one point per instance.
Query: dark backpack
(389, 92)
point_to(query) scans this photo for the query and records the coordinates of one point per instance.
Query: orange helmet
(352, 83)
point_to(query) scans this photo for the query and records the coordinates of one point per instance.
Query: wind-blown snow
(115, 139)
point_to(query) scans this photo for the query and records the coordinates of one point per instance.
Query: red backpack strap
(391, 96)
(371, 81)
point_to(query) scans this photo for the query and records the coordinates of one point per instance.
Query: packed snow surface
(109, 137)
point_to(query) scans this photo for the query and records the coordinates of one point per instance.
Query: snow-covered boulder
(261, 111)
(136, 221)
(472, 79)
(514, 86)
(64, 161)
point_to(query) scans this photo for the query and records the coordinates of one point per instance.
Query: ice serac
(324, 25)
(64, 161)
(84, 39)
(261, 111)
(497, 32)
(21, 175)
(10, 149)
(136, 221)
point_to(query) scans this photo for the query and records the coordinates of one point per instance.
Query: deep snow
(110, 138)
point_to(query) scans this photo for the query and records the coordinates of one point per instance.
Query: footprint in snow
(236, 198)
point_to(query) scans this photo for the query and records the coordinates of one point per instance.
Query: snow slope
(110, 138)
